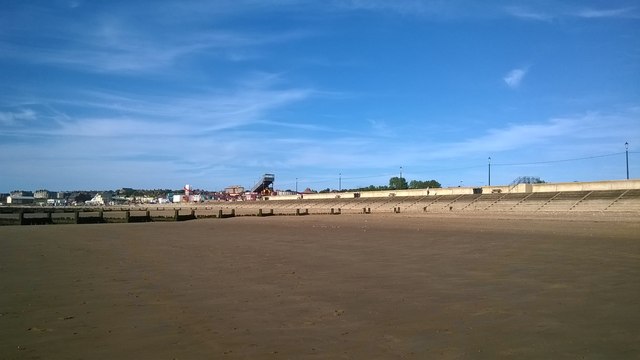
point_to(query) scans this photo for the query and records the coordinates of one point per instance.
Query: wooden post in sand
(21, 217)
(127, 216)
(176, 214)
(76, 217)
(219, 214)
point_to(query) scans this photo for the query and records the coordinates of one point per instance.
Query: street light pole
(401, 172)
(296, 185)
(340, 182)
(626, 150)
(489, 170)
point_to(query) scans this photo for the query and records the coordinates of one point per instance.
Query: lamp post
(489, 170)
(296, 185)
(340, 182)
(626, 151)
(400, 172)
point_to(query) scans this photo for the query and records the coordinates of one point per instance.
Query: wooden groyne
(98, 215)
(69, 215)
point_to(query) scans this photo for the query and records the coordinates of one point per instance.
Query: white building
(42, 194)
(196, 198)
(56, 202)
(100, 199)
(187, 198)
(234, 189)
(20, 200)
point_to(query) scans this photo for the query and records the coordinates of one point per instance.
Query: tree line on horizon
(395, 183)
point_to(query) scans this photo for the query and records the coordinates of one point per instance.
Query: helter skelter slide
(265, 185)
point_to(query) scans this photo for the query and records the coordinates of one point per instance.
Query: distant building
(19, 193)
(3, 198)
(234, 189)
(148, 200)
(120, 200)
(43, 194)
(20, 200)
(56, 202)
(250, 196)
(103, 198)
(78, 197)
(234, 192)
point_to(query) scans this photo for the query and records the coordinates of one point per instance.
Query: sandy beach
(323, 287)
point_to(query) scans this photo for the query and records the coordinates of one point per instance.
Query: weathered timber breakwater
(74, 215)
(70, 215)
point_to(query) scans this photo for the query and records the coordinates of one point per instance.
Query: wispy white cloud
(528, 14)
(589, 13)
(571, 132)
(106, 113)
(108, 43)
(426, 9)
(518, 136)
(123, 53)
(178, 115)
(557, 11)
(514, 78)
(15, 118)
(455, 9)
(400, 6)
(381, 128)
(297, 126)
(74, 4)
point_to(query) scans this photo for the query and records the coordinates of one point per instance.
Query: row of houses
(93, 198)
(126, 196)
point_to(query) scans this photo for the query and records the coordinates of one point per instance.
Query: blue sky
(157, 94)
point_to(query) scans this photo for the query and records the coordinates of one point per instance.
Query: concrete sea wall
(520, 188)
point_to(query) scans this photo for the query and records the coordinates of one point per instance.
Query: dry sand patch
(361, 286)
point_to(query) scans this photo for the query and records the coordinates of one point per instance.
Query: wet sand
(325, 287)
